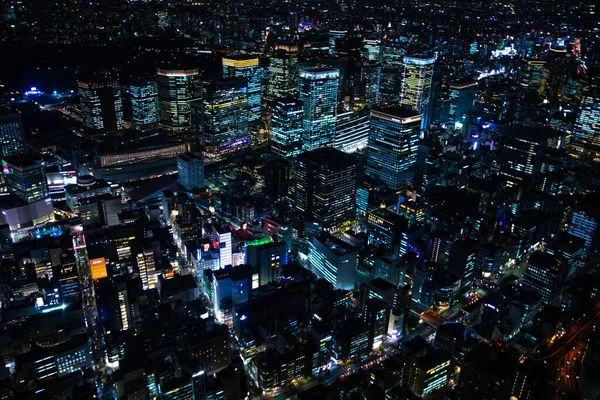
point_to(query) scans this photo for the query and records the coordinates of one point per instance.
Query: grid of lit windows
(393, 144)
(319, 94)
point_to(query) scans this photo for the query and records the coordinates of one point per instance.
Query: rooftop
(334, 244)
(330, 157)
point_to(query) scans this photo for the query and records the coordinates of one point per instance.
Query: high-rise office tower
(462, 96)
(247, 66)
(333, 260)
(393, 145)
(101, 104)
(463, 256)
(392, 55)
(386, 229)
(352, 130)
(146, 268)
(12, 135)
(326, 186)
(287, 126)
(376, 315)
(191, 171)
(267, 259)
(521, 158)
(430, 372)
(546, 275)
(177, 88)
(583, 224)
(417, 81)
(221, 235)
(25, 178)
(530, 73)
(225, 114)
(144, 102)
(587, 127)
(366, 84)
(319, 94)
(283, 71)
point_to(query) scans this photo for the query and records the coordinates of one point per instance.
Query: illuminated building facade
(101, 105)
(326, 186)
(283, 71)
(247, 66)
(587, 127)
(267, 259)
(521, 157)
(144, 154)
(529, 75)
(366, 85)
(386, 229)
(222, 237)
(144, 102)
(463, 257)
(462, 96)
(147, 269)
(352, 130)
(391, 73)
(583, 225)
(191, 171)
(546, 275)
(416, 85)
(333, 260)
(225, 114)
(287, 126)
(376, 315)
(177, 88)
(430, 373)
(25, 178)
(393, 145)
(319, 92)
(12, 135)
(124, 310)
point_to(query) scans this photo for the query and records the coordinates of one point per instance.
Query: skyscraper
(530, 73)
(393, 144)
(221, 235)
(583, 224)
(12, 136)
(462, 96)
(522, 154)
(392, 54)
(177, 88)
(287, 125)
(25, 178)
(352, 130)
(225, 114)
(191, 171)
(267, 258)
(146, 268)
(101, 104)
(587, 127)
(385, 229)
(318, 92)
(246, 66)
(366, 84)
(283, 71)
(326, 186)
(333, 260)
(144, 102)
(416, 85)
(546, 275)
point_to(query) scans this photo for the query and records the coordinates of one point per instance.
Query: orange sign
(98, 267)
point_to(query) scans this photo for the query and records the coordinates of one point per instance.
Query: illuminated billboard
(98, 268)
